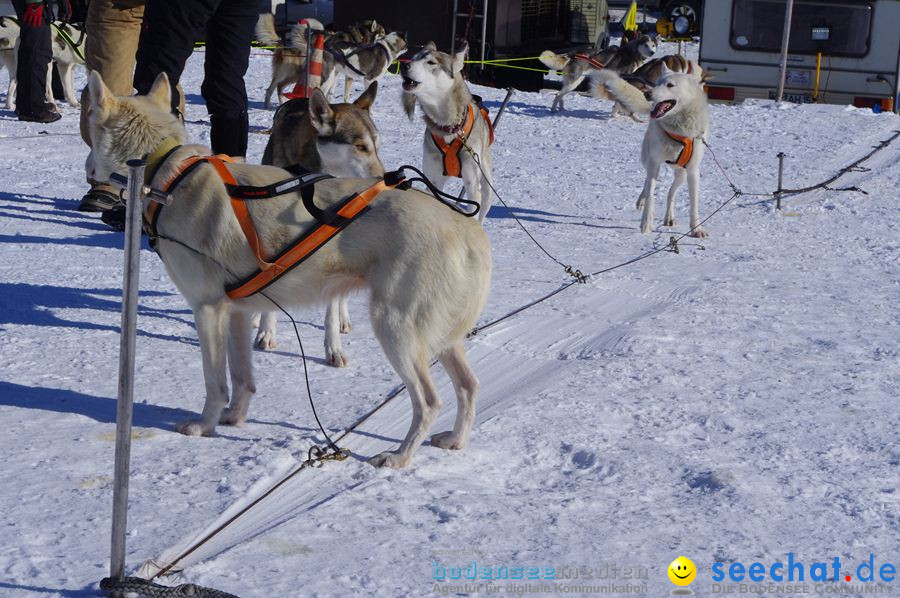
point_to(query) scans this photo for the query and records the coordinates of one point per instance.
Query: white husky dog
(68, 48)
(434, 80)
(428, 267)
(678, 128)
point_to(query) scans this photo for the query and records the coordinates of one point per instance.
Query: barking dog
(628, 92)
(63, 37)
(428, 267)
(678, 128)
(340, 140)
(576, 66)
(434, 80)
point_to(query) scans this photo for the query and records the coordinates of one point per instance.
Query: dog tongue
(660, 109)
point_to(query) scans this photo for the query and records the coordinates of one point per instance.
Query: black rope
(852, 167)
(579, 277)
(445, 198)
(312, 405)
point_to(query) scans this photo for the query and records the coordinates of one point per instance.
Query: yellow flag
(631, 17)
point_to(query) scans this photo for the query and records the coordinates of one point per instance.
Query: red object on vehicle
(720, 93)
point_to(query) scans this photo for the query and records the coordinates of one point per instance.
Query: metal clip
(156, 195)
(673, 245)
(576, 274)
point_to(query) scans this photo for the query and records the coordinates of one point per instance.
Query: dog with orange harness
(237, 237)
(458, 133)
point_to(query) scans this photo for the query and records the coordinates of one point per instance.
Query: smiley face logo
(682, 571)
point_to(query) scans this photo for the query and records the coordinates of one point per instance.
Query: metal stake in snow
(785, 42)
(133, 209)
(780, 174)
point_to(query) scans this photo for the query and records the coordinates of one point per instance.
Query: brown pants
(113, 28)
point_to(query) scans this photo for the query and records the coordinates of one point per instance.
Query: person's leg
(112, 27)
(228, 40)
(167, 39)
(34, 55)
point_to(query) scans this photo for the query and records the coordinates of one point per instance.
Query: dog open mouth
(409, 84)
(662, 108)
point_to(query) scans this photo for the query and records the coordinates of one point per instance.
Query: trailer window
(758, 25)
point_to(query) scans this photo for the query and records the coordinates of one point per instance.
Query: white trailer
(840, 52)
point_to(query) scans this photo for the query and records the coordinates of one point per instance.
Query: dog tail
(609, 85)
(265, 30)
(552, 60)
(296, 35)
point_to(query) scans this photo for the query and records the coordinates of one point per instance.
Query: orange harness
(687, 149)
(329, 223)
(450, 151)
(591, 61)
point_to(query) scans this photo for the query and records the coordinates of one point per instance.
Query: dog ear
(664, 70)
(320, 113)
(409, 104)
(374, 27)
(459, 58)
(161, 92)
(430, 46)
(101, 98)
(367, 98)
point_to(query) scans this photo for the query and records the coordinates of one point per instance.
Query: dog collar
(452, 129)
(156, 158)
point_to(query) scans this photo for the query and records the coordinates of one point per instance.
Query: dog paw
(646, 229)
(194, 428)
(336, 358)
(265, 341)
(232, 417)
(389, 459)
(699, 233)
(669, 222)
(346, 326)
(639, 204)
(448, 440)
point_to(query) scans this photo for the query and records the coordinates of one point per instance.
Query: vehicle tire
(687, 8)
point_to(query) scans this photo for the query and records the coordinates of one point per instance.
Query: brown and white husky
(337, 139)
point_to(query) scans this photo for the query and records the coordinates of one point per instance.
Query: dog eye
(361, 147)
(670, 85)
(431, 62)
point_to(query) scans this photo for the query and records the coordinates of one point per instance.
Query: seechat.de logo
(794, 571)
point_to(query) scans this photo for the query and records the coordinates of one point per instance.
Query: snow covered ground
(734, 402)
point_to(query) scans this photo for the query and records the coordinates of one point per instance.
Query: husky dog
(9, 35)
(361, 33)
(576, 66)
(434, 80)
(428, 267)
(64, 56)
(678, 128)
(369, 61)
(289, 58)
(340, 140)
(628, 92)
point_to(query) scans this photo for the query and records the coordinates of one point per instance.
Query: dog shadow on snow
(99, 409)
(56, 211)
(544, 111)
(36, 305)
(499, 211)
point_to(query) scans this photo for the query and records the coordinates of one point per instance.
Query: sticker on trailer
(798, 78)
